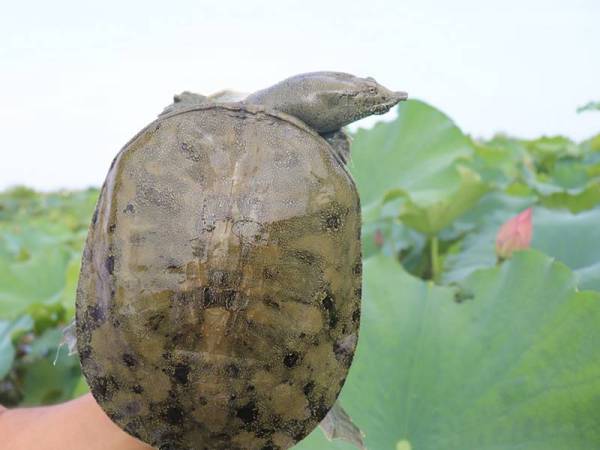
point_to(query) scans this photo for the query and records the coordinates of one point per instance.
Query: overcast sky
(78, 79)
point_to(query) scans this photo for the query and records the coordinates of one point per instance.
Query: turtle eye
(372, 90)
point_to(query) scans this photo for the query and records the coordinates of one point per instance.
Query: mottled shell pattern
(218, 305)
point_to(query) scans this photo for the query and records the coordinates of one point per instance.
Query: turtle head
(345, 98)
(373, 98)
(327, 101)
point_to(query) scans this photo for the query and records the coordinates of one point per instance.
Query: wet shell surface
(218, 304)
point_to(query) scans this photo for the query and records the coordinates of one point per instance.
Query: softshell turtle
(218, 303)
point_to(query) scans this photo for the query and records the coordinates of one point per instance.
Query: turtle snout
(394, 98)
(400, 96)
(390, 100)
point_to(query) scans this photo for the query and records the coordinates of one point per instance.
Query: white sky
(78, 79)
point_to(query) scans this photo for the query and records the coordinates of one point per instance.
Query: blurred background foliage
(457, 351)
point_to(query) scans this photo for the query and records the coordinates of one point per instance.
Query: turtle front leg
(340, 142)
(184, 100)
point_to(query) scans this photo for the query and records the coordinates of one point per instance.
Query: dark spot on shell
(202, 401)
(248, 413)
(169, 446)
(358, 292)
(207, 297)
(132, 409)
(94, 317)
(137, 389)
(225, 298)
(174, 268)
(95, 313)
(179, 338)
(85, 353)
(154, 321)
(271, 303)
(333, 222)
(171, 440)
(319, 410)
(104, 387)
(262, 432)
(356, 315)
(129, 209)
(190, 152)
(112, 227)
(184, 297)
(299, 435)
(357, 269)
(308, 387)
(115, 322)
(132, 429)
(114, 415)
(305, 256)
(110, 264)
(291, 359)
(198, 248)
(129, 360)
(268, 274)
(232, 371)
(229, 295)
(250, 388)
(329, 306)
(332, 218)
(180, 373)
(277, 422)
(174, 415)
(95, 217)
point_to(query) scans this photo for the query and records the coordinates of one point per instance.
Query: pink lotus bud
(378, 238)
(514, 234)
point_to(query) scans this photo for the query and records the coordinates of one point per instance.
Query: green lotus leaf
(49, 377)
(499, 160)
(10, 330)
(515, 365)
(581, 201)
(433, 210)
(592, 147)
(70, 287)
(419, 156)
(38, 280)
(548, 149)
(573, 239)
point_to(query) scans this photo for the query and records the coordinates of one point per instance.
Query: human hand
(74, 425)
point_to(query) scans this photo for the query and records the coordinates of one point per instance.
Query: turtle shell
(218, 303)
